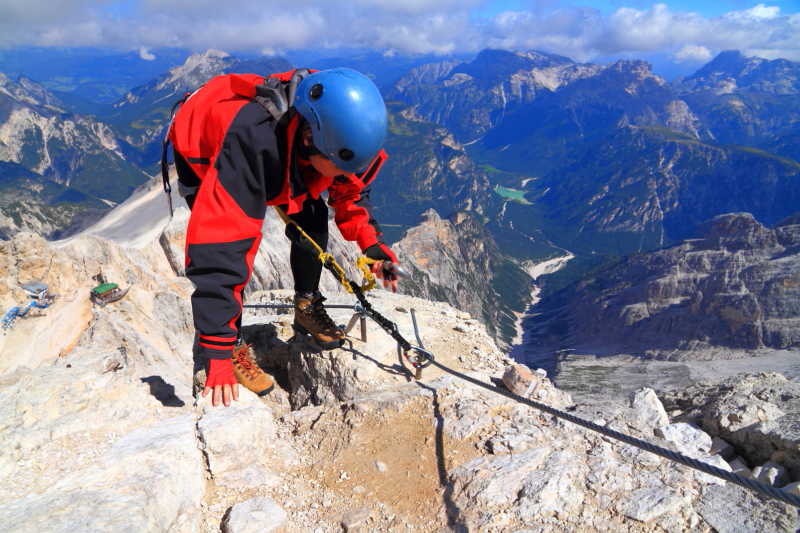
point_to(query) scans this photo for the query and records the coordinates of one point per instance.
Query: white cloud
(410, 26)
(693, 53)
(145, 54)
(759, 12)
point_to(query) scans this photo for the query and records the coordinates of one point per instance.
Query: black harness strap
(165, 155)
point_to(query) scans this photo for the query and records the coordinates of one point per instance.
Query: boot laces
(242, 358)
(321, 315)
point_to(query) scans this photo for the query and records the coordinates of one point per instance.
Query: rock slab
(257, 515)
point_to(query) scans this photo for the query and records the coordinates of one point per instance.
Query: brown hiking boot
(311, 318)
(248, 373)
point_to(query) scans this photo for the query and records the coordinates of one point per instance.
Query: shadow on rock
(453, 511)
(163, 391)
(271, 353)
(396, 369)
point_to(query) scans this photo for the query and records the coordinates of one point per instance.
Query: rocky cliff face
(427, 169)
(735, 289)
(37, 133)
(756, 413)
(55, 165)
(663, 192)
(457, 261)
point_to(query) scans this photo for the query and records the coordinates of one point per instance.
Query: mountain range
(549, 154)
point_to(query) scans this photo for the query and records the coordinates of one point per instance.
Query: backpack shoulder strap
(277, 96)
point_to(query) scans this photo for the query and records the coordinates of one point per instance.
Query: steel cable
(685, 460)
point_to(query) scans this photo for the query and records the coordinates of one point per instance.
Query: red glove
(219, 372)
(386, 267)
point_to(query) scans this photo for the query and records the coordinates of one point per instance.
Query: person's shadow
(163, 391)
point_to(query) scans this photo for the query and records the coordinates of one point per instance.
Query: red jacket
(243, 160)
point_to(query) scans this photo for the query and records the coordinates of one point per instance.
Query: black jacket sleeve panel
(219, 271)
(249, 164)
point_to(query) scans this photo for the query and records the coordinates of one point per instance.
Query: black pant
(306, 266)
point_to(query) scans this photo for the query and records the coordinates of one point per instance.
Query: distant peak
(212, 52)
(196, 69)
(727, 55)
(728, 62)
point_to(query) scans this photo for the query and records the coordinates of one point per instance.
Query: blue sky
(683, 32)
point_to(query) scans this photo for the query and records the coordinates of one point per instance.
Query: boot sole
(266, 391)
(331, 345)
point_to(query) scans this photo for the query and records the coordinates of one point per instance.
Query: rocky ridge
(101, 432)
(731, 71)
(471, 98)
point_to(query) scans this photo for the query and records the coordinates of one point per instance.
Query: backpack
(276, 95)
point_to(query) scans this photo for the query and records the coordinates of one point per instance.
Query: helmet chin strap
(307, 150)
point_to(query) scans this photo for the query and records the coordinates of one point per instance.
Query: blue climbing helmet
(347, 116)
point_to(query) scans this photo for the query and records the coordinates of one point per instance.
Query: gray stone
(739, 466)
(722, 448)
(648, 504)
(732, 509)
(714, 460)
(687, 438)
(149, 477)
(649, 410)
(771, 474)
(256, 515)
(556, 488)
(251, 476)
(495, 481)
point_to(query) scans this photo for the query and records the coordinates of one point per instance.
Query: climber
(243, 142)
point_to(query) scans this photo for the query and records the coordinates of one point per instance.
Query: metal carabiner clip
(420, 359)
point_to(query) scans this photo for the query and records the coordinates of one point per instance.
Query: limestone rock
(343, 374)
(242, 433)
(355, 519)
(648, 504)
(524, 382)
(649, 410)
(739, 466)
(745, 412)
(687, 438)
(732, 291)
(727, 509)
(130, 486)
(256, 515)
(520, 380)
